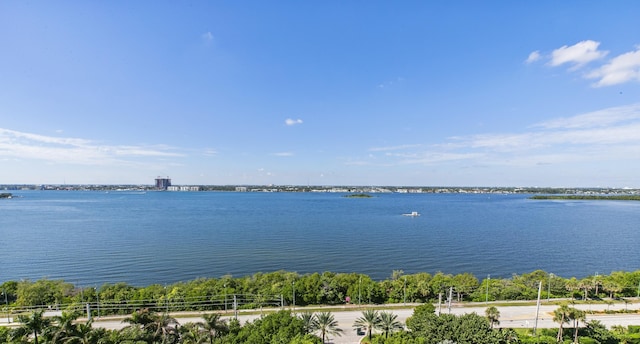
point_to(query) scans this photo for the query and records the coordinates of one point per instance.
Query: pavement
(514, 315)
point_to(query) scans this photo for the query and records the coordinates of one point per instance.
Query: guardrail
(230, 302)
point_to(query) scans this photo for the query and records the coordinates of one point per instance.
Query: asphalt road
(512, 316)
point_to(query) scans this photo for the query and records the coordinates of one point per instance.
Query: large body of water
(90, 238)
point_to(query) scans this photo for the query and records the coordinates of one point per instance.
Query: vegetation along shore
(147, 311)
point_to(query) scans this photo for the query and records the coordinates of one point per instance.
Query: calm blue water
(89, 238)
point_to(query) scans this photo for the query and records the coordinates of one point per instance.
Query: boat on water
(412, 214)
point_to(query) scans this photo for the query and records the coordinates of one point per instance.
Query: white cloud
(210, 152)
(600, 118)
(283, 154)
(620, 69)
(207, 36)
(291, 122)
(28, 146)
(533, 57)
(393, 148)
(597, 137)
(578, 54)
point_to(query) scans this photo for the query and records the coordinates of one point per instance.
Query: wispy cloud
(283, 154)
(21, 145)
(617, 70)
(207, 37)
(391, 83)
(533, 57)
(393, 148)
(291, 122)
(601, 118)
(600, 136)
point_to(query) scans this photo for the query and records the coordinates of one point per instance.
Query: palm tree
(576, 315)
(309, 321)
(368, 320)
(159, 327)
(34, 323)
(327, 324)
(141, 318)
(64, 325)
(214, 326)
(82, 333)
(561, 316)
(493, 314)
(165, 328)
(192, 333)
(388, 323)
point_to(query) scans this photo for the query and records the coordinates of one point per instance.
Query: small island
(358, 195)
(6, 195)
(587, 197)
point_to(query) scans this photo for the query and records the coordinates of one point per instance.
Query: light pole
(293, 286)
(6, 304)
(98, 301)
(359, 287)
(486, 300)
(404, 297)
(166, 300)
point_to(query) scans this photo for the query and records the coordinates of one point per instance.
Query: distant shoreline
(587, 197)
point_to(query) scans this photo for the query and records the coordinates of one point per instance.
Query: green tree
(34, 323)
(64, 325)
(165, 328)
(278, 327)
(310, 322)
(464, 284)
(153, 327)
(42, 292)
(493, 315)
(388, 323)
(327, 325)
(561, 315)
(369, 320)
(421, 315)
(597, 331)
(576, 315)
(192, 333)
(214, 326)
(82, 333)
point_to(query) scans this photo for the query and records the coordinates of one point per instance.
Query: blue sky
(424, 93)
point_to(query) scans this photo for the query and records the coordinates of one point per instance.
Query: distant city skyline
(459, 93)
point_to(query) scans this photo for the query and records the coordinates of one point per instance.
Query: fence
(229, 302)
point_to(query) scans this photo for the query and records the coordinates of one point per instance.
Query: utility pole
(293, 285)
(404, 298)
(359, 288)
(535, 327)
(98, 302)
(235, 306)
(486, 300)
(450, 297)
(6, 304)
